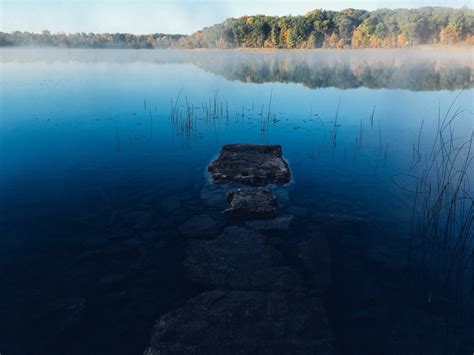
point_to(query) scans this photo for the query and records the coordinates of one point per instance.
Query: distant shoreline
(453, 47)
(317, 29)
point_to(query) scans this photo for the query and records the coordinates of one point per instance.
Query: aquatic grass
(335, 125)
(359, 139)
(442, 223)
(184, 117)
(117, 137)
(151, 125)
(416, 149)
(372, 118)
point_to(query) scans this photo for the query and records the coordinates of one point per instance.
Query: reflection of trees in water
(345, 74)
(422, 70)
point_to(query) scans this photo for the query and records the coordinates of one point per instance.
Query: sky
(167, 16)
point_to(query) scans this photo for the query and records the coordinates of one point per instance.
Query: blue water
(95, 179)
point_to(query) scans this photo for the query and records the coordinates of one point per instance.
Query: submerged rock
(196, 226)
(244, 322)
(250, 164)
(251, 203)
(280, 223)
(315, 256)
(239, 259)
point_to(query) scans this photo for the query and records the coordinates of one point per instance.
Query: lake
(104, 156)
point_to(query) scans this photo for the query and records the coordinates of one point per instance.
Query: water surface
(96, 179)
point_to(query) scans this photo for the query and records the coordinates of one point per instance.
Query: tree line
(88, 40)
(348, 28)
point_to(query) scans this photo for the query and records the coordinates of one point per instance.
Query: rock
(250, 164)
(198, 226)
(244, 322)
(239, 259)
(315, 256)
(251, 203)
(280, 223)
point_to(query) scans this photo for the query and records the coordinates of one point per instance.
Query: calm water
(95, 180)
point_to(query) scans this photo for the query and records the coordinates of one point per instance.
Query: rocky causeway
(260, 291)
(251, 203)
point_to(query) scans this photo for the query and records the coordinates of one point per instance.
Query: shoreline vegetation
(345, 29)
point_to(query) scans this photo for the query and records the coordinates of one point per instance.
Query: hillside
(340, 29)
(348, 28)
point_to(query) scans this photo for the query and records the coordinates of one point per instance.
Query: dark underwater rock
(250, 164)
(244, 322)
(279, 223)
(251, 203)
(239, 259)
(255, 303)
(198, 226)
(315, 256)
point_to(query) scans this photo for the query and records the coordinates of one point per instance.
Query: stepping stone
(251, 203)
(250, 164)
(245, 322)
(280, 223)
(198, 226)
(239, 259)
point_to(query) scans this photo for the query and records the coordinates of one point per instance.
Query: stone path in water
(262, 291)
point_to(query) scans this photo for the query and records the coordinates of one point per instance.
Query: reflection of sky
(71, 128)
(168, 16)
(58, 116)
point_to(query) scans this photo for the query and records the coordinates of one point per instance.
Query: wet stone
(280, 223)
(244, 322)
(239, 259)
(251, 203)
(250, 164)
(314, 254)
(198, 226)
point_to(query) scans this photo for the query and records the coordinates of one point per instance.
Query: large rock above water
(251, 203)
(244, 322)
(250, 164)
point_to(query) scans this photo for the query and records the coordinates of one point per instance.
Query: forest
(88, 40)
(348, 28)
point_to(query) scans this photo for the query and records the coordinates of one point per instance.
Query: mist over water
(97, 178)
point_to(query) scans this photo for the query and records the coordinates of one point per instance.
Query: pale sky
(167, 16)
